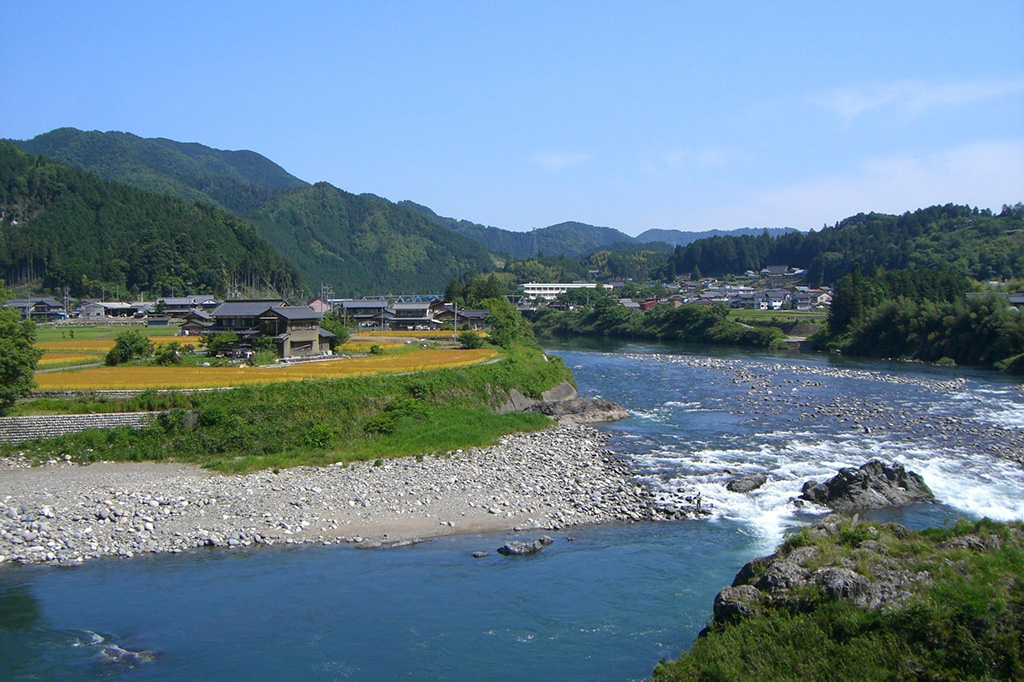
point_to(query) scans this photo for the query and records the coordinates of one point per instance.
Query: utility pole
(455, 321)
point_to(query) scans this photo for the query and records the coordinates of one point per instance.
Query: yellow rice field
(121, 377)
(68, 358)
(104, 345)
(402, 334)
(364, 346)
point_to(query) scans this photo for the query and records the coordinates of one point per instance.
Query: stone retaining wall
(18, 429)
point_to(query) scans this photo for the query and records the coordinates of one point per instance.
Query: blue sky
(520, 114)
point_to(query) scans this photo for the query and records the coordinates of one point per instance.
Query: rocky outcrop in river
(874, 484)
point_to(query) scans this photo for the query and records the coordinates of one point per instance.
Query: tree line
(928, 315)
(976, 243)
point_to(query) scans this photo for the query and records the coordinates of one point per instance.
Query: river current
(601, 603)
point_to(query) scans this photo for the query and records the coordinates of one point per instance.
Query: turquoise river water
(605, 606)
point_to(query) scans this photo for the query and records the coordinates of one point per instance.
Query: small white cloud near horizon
(983, 174)
(554, 162)
(912, 98)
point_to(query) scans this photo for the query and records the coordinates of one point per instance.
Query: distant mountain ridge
(575, 239)
(681, 238)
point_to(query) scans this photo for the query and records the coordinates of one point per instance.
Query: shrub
(169, 354)
(470, 340)
(129, 345)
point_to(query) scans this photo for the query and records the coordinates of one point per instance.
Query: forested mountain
(975, 243)
(64, 226)
(362, 244)
(239, 181)
(354, 243)
(680, 238)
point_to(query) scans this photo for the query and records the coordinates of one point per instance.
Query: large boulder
(875, 484)
(744, 484)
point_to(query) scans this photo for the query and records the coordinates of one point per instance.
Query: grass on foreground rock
(322, 421)
(961, 616)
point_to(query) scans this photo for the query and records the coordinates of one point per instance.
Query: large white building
(551, 290)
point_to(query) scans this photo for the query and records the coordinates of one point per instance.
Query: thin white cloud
(912, 98)
(554, 162)
(985, 174)
(704, 158)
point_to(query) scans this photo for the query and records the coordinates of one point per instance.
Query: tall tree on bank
(18, 356)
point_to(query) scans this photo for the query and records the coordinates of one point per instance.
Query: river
(601, 603)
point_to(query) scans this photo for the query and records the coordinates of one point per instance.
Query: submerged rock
(516, 548)
(116, 657)
(875, 484)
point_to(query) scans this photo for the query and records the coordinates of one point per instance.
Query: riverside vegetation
(323, 421)
(689, 323)
(846, 600)
(923, 315)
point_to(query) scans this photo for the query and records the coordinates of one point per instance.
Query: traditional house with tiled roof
(295, 330)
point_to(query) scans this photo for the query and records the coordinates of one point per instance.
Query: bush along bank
(325, 421)
(846, 600)
(688, 323)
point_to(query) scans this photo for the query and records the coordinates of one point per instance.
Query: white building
(551, 290)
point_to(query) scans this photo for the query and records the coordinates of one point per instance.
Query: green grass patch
(49, 332)
(965, 623)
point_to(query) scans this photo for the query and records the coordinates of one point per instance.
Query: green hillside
(977, 244)
(239, 181)
(361, 244)
(62, 226)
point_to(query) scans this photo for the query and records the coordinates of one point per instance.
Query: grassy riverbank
(324, 420)
(961, 615)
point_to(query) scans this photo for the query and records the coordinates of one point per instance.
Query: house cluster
(429, 313)
(770, 291)
(792, 297)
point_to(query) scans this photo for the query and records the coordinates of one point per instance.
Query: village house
(180, 306)
(196, 323)
(409, 316)
(362, 313)
(463, 318)
(38, 309)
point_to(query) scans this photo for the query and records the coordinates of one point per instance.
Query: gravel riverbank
(564, 476)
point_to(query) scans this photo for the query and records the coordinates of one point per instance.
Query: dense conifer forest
(64, 227)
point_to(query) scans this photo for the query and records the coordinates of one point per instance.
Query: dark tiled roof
(245, 308)
(297, 312)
